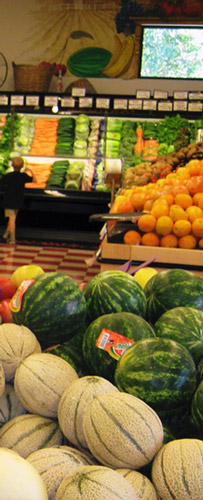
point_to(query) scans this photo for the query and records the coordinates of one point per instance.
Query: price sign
(17, 100)
(80, 92)
(180, 105)
(135, 104)
(4, 100)
(67, 102)
(120, 103)
(51, 101)
(103, 102)
(165, 106)
(150, 104)
(85, 102)
(32, 100)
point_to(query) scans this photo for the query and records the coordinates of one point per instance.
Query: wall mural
(87, 39)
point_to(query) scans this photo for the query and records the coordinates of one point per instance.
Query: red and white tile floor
(71, 261)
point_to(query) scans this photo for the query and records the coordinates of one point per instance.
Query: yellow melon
(28, 433)
(142, 485)
(177, 470)
(16, 342)
(74, 402)
(122, 431)
(95, 482)
(40, 381)
(55, 462)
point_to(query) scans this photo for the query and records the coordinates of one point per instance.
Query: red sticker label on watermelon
(114, 343)
(16, 301)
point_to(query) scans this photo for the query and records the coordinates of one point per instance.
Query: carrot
(150, 150)
(139, 145)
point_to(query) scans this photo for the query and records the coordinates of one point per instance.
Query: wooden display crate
(114, 254)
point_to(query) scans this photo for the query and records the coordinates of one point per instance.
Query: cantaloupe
(40, 381)
(16, 342)
(122, 431)
(28, 433)
(94, 482)
(19, 480)
(55, 462)
(177, 470)
(74, 402)
(141, 483)
(10, 405)
(2, 380)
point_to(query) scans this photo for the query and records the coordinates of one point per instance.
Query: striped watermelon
(200, 370)
(28, 433)
(173, 288)
(159, 371)
(71, 351)
(185, 325)
(197, 408)
(95, 482)
(53, 307)
(113, 291)
(99, 361)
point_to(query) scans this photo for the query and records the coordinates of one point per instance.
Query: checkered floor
(77, 263)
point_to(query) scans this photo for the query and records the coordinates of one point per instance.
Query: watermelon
(71, 351)
(99, 361)
(113, 291)
(200, 370)
(185, 325)
(172, 288)
(197, 408)
(53, 307)
(159, 371)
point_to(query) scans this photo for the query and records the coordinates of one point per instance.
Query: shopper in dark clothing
(13, 185)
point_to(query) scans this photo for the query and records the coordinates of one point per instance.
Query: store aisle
(70, 261)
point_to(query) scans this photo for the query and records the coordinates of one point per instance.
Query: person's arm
(29, 171)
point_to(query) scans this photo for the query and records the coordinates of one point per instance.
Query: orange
(132, 237)
(196, 198)
(159, 208)
(177, 213)
(164, 225)
(124, 206)
(184, 200)
(197, 227)
(194, 212)
(168, 198)
(189, 241)
(148, 204)
(194, 168)
(138, 200)
(169, 241)
(150, 239)
(200, 202)
(182, 227)
(146, 223)
(200, 243)
(195, 184)
(180, 188)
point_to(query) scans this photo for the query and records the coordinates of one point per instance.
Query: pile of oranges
(173, 209)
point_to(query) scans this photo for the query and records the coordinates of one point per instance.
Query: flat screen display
(172, 52)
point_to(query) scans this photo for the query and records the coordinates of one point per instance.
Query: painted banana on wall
(121, 59)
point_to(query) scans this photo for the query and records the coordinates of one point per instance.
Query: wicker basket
(29, 78)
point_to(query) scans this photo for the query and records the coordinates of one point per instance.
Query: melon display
(141, 484)
(16, 342)
(173, 288)
(184, 325)
(95, 482)
(2, 380)
(55, 462)
(71, 351)
(74, 403)
(197, 408)
(160, 371)
(10, 405)
(40, 381)
(53, 298)
(28, 433)
(177, 471)
(122, 431)
(19, 480)
(129, 325)
(113, 291)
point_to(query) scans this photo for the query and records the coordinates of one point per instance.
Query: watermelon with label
(173, 288)
(99, 361)
(159, 371)
(53, 307)
(113, 291)
(197, 408)
(185, 325)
